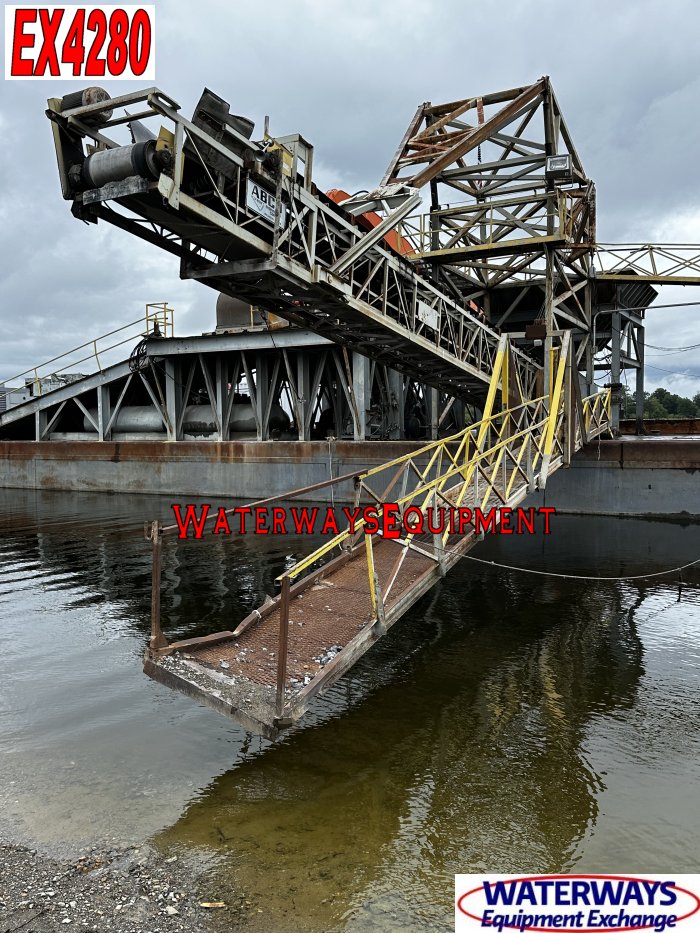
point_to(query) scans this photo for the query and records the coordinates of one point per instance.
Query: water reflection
(468, 757)
(486, 731)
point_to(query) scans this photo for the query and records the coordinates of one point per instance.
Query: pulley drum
(116, 164)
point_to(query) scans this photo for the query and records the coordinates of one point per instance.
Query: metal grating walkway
(331, 609)
(239, 673)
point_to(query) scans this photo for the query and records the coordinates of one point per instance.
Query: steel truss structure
(272, 662)
(484, 221)
(297, 386)
(472, 268)
(308, 262)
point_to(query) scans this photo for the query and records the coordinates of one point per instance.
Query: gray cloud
(349, 76)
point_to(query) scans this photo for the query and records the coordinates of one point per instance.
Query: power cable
(673, 372)
(671, 351)
(574, 576)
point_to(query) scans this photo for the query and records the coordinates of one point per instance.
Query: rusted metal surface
(205, 451)
(330, 624)
(641, 453)
(295, 646)
(684, 427)
(330, 612)
(191, 468)
(289, 452)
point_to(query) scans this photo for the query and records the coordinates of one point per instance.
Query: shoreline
(132, 889)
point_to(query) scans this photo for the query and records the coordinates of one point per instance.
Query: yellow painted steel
(370, 573)
(556, 395)
(495, 458)
(160, 313)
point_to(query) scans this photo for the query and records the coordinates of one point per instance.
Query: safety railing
(158, 321)
(597, 410)
(499, 459)
(495, 222)
(508, 453)
(660, 263)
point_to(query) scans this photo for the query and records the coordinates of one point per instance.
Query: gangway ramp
(419, 293)
(335, 603)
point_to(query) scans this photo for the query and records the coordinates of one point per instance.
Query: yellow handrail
(534, 441)
(161, 314)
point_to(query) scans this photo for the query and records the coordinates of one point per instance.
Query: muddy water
(509, 723)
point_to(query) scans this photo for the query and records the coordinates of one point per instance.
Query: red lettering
(416, 529)
(278, 517)
(371, 518)
(352, 517)
(529, 523)
(47, 54)
(243, 511)
(222, 525)
(191, 519)
(97, 23)
(465, 518)
(22, 67)
(392, 527)
(140, 42)
(260, 520)
(547, 511)
(330, 523)
(117, 51)
(441, 526)
(304, 520)
(506, 515)
(485, 523)
(73, 51)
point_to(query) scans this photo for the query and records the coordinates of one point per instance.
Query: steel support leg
(173, 400)
(262, 389)
(639, 386)
(433, 412)
(362, 390)
(615, 372)
(40, 421)
(396, 402)
(221, 388)
(304, 392)
(103, 412)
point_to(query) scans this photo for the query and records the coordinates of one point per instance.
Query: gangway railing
(158, 320)
(461, 229)
(655, 263)
(495, 463)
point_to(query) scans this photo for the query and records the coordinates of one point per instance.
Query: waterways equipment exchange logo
(583, 903)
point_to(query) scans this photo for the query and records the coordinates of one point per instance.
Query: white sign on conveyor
(427, 315)
(262, 202)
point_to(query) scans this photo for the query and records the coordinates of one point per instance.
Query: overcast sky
(348, 74)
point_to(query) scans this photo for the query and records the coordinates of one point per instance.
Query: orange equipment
(370, 219)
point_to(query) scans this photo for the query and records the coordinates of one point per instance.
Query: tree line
(661, 404)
